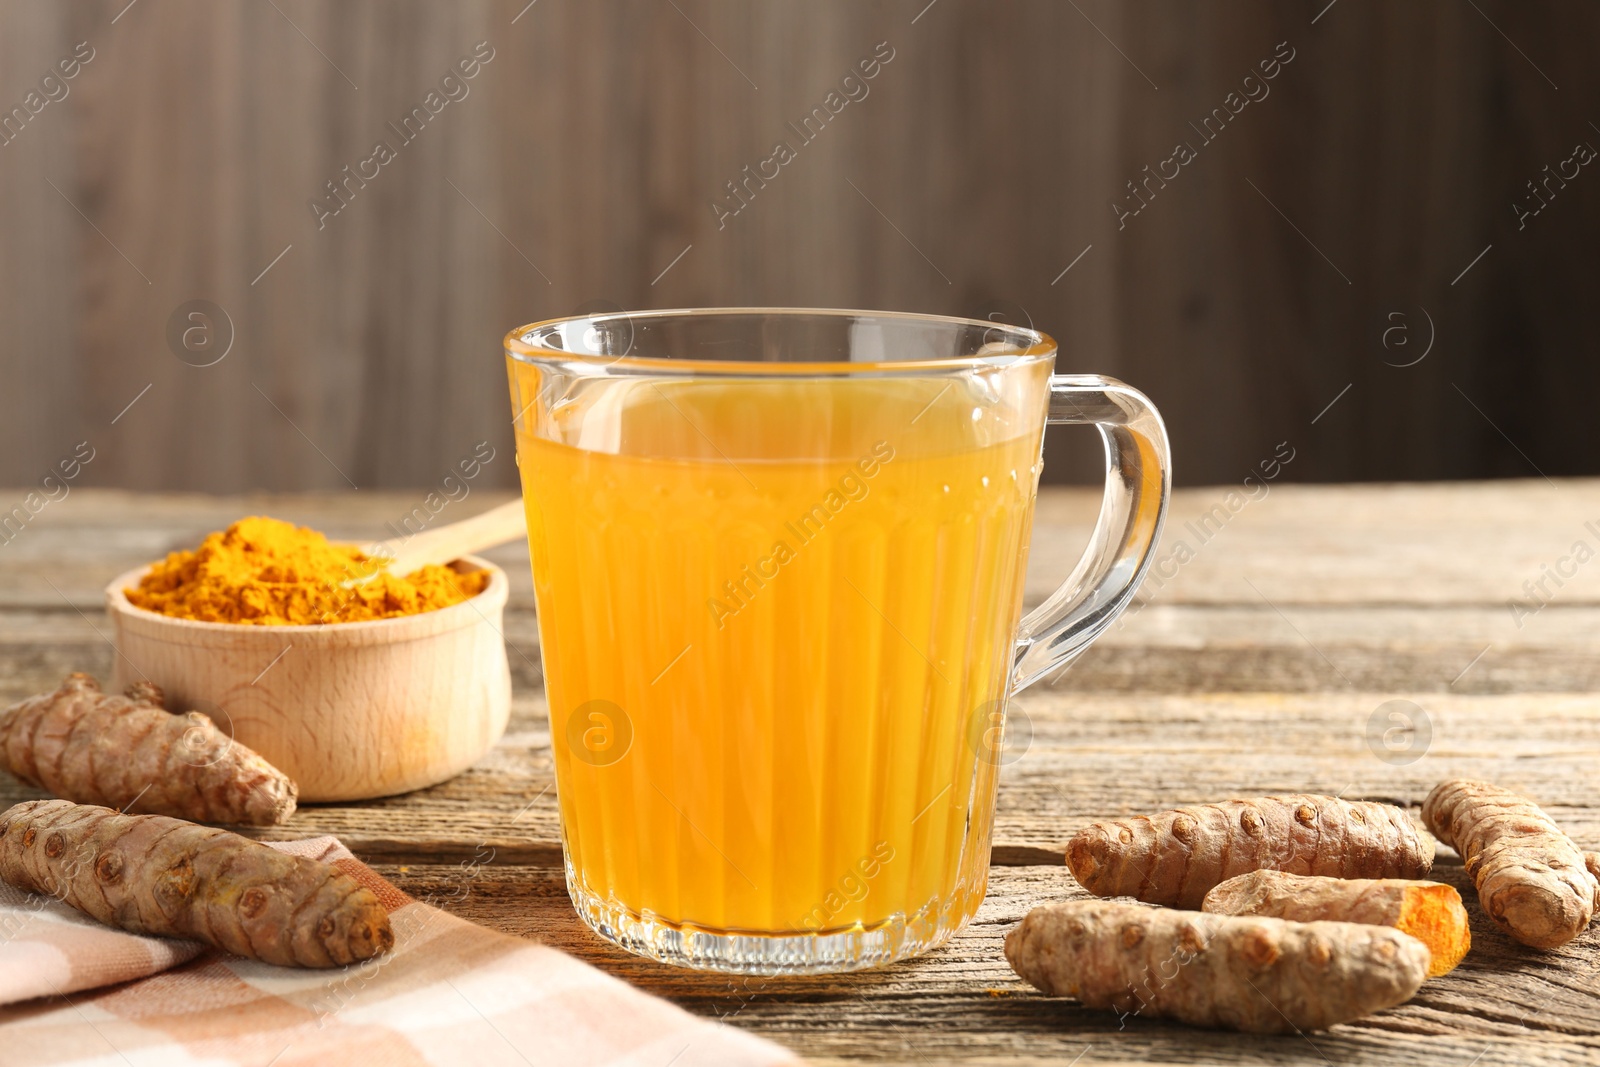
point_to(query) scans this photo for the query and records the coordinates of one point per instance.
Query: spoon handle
(453, 540)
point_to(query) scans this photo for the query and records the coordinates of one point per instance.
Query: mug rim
(1038, 346)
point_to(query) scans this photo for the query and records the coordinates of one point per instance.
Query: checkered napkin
(449, 992)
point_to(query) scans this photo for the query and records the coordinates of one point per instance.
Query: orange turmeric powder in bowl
(266, 572)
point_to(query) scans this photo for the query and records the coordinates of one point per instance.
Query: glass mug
(778, 557)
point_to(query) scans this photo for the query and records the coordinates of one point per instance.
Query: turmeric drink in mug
(779, 589)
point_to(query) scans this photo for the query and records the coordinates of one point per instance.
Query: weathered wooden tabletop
(1259, 664)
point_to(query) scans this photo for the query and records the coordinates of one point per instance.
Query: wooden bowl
(349, 710)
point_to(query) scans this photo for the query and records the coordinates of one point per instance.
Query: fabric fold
(450, 992)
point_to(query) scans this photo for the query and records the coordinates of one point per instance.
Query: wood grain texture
(1428, 546)
(962, 1003)
(1083, 757)
(1378, 594)
(585, 160)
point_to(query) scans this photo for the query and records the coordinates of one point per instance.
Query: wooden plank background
(1256, 666)
(1245, 298)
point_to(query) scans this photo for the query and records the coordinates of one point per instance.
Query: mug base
(798, 952)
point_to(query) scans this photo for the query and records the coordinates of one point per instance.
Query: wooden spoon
(452, 541)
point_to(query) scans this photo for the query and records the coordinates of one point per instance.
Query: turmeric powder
(265, 572)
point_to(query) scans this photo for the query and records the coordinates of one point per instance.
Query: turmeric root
(1431, 912)
(155, 875)
(1532, 880)
(1259, 975)
(1176, 857)
(94, 748)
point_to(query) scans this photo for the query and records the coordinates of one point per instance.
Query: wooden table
(1256, 666)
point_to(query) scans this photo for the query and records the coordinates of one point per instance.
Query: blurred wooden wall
(583, 163)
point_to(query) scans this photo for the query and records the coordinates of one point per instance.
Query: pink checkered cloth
(449, 992)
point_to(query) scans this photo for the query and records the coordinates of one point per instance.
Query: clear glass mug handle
(1138, 482)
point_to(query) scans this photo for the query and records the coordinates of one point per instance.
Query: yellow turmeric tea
(774, 650)
(266, 572)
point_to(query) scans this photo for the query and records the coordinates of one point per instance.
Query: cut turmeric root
(96, 748)
(1176, 857)
(1259, 975)
(1431, 912)
(153, 875)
